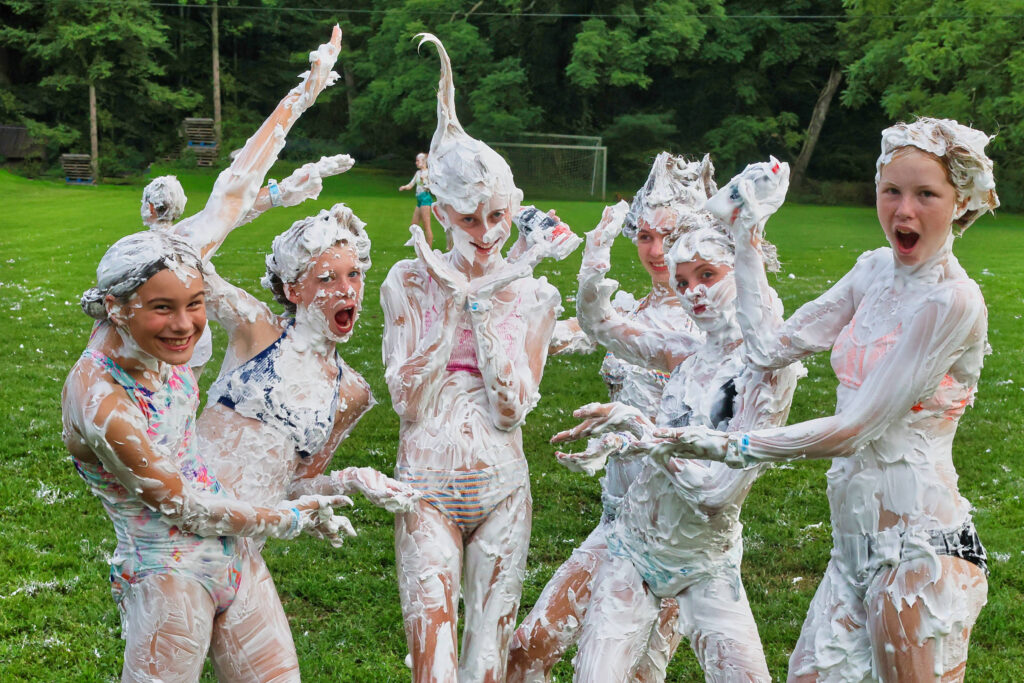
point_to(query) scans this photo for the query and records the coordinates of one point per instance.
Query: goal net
(557, 166)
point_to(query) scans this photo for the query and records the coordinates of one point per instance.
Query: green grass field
(58, 621)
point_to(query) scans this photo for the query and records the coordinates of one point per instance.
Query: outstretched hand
(593, 459)
(696, 442)
(379, 489)
(599, 418)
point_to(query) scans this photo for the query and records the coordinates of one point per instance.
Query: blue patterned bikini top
(258, 390)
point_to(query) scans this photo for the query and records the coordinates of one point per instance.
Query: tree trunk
(814, 129)
(94, 138)
(350, 86)
(214, 27)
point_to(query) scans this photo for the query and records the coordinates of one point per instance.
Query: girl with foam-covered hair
(183, 582)
(661, 211)
(284, 399)
(676, 534)
(907, 329)
(465, 341)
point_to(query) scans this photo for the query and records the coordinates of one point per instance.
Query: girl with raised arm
(182, 582)
(656, 218)
(237, 198)
(907, 328)
(677, 534)
(424, 200)
(465, 341)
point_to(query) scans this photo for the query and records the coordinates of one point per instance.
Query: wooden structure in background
(77, 168)
(201, 138)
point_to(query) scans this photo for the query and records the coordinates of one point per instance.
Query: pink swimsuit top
(852, 360)
(510, 330)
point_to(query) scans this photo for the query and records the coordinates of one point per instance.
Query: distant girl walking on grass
(424, 200)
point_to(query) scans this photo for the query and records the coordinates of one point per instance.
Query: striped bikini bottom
(467, 497)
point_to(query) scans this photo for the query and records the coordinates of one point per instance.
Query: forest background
(810, 81)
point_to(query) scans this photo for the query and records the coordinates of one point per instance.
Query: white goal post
(557, 165)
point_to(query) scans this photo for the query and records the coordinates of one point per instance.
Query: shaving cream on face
(960, 149)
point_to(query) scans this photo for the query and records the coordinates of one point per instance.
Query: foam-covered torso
(457, 430)
(905, 477)
(636, 385)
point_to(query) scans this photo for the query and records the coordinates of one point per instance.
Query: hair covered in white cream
(132, 260)
(674, 183)
(293, 249)
(464, 172)
(960, 149)
(167, 198)
(702, 235)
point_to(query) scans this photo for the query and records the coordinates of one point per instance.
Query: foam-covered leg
(495, 565)
(554, 622)
(428, 557)
(715, 615)
(617, 626)
(165, 621)
(251, 639)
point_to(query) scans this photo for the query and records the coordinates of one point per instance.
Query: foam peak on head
(960, 149)
(294, 249)
(464, 172)
(706, 239)
(674, 183)
(167, 198)
(132, 260)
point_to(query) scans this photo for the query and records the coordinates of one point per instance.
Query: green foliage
(948, 59)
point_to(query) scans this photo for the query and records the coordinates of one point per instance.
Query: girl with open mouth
(907, 329)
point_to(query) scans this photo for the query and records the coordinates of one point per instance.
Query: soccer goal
(549, 164)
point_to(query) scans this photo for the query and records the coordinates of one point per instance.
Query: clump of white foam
(134, 259)
(961, 149)
(293, 249)
(464, 172)
(674, 183)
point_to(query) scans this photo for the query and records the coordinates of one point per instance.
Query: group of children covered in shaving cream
(701, 372)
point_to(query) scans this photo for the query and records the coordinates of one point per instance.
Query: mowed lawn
(57, 618)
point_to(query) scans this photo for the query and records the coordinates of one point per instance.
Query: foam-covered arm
(813, 327)
(414, 362)
(568, 337)
(512, 372)
(305, 182)
(115, 431)
(630, 341)
(236, 188)
(949, 326)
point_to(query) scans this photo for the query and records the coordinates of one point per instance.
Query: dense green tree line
(739, 78)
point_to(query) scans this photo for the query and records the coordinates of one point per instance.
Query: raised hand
(543, 235)
(321, 63)
(597, 254)
(608, 417)
(751, 197)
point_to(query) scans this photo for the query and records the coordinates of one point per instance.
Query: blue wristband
(294, 531)
(275, 193)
